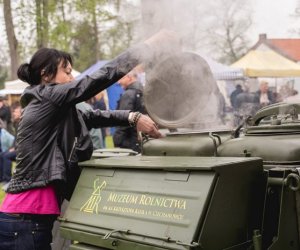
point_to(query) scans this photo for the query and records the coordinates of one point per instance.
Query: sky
(274, 17)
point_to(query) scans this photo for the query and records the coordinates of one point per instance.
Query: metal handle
(168, 239)
(215, 143)
(107, 236)
(292, 181)
(275, 109)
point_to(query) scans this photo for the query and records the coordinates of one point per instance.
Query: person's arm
(108, 118)
(85, 88)
(105, 118)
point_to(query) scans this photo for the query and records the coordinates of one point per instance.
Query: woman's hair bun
(24, 73)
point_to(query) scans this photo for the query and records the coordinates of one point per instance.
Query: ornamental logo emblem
(91, 205)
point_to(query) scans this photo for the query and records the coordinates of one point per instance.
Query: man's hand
(147, 126)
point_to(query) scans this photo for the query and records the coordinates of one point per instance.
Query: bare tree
(227, 32)
(11, 38)
(296, 15)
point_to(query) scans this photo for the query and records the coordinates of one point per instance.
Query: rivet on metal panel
(246, 153)
(114, 243)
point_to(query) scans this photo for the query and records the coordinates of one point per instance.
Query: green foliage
(90, 30)
(60, 36)
(118, 38)
(109, 142)
(84, 46)
(2, 194)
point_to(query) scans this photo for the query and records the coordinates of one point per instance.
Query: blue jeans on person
(25, 231)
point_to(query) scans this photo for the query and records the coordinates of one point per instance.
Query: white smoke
(181, 94)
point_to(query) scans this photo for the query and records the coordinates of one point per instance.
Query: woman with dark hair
(53, 137)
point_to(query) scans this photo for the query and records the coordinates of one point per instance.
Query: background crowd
(9, 119)
(245, 103)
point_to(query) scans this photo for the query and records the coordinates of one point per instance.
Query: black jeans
(25, 231)
(6, 159)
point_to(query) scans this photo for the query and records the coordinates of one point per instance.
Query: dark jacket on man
(53, 136)
(132, 99)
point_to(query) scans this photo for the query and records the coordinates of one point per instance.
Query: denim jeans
(25, 232)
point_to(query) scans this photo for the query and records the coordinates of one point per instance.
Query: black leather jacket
(53, 135)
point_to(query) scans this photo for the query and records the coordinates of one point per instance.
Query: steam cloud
(180, 91)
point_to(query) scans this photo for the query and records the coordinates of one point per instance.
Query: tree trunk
(42, 23)
(95, 28)
(11, 38)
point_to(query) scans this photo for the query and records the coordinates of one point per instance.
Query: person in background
(53, 137)
(132, 99)
(238, 90)
(95, 133)
(264, 96)
(8, 156)
(6, 142)
(5, 113)
(16, 112)
(141, 74)
(98, 102)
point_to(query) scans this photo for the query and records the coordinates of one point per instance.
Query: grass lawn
(109, 141)
(109, 144)
(2, 193)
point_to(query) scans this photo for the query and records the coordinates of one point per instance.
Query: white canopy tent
(16, 87)
(222, 71)
(224, 75)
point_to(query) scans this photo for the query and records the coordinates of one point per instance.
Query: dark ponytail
(23, 72)
(43, 63)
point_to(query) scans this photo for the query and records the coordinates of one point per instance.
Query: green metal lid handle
(275, 109)
(211, 135)
(168, 239)
(107, 236)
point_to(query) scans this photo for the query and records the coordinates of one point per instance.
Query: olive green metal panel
(276, 147)
(186, 144)
(168, 163)
(163, 202)
(83, 247)
(109, 244)
(235, 208)
(147, 206)
(288, 236)
(281, 222)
